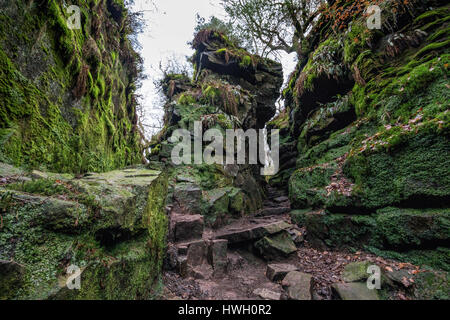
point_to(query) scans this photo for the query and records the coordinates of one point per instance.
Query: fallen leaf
(402, 297)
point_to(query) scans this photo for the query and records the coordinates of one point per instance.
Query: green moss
(157, 223)
(280, 122)
(417, 168)
(49, 230)
(186, 99)
(246, 61)
(432, 47)
(326, 60)
(41, 123)
(413, 228)
(437, 259)
(222, 51)
(45, 187)
(211, 93)
(405, 93)
(402, 230)
(356, 41)
(306, 186)
(299, 216)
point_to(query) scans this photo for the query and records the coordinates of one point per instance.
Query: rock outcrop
(67, 98)
(363, 155)
(366, 120)
(231, 89)
(112, 226)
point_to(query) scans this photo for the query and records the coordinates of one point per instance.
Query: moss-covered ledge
(112, 225)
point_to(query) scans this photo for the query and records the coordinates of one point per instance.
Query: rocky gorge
(363, 181)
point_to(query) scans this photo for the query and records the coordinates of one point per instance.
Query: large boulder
(275, 246)
(407, 174)
(261, 77)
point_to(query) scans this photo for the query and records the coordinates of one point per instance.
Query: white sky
(169, 29)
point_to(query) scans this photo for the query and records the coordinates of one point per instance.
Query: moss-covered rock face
(67, 96)
(368, 112)
(231, 89)
(112, 225)
(393, 228)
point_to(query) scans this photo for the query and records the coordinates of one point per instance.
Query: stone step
(273, 195)
(251, 233)
(281, 199)
(186, 227)
(269, 204)
(202, 259)
(273, 211)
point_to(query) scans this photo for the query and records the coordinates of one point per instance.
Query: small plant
(202, 36)
(224, 94)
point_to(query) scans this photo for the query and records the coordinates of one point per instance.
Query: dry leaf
(402, 265)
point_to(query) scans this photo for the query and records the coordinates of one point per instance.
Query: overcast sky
(169, 28)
